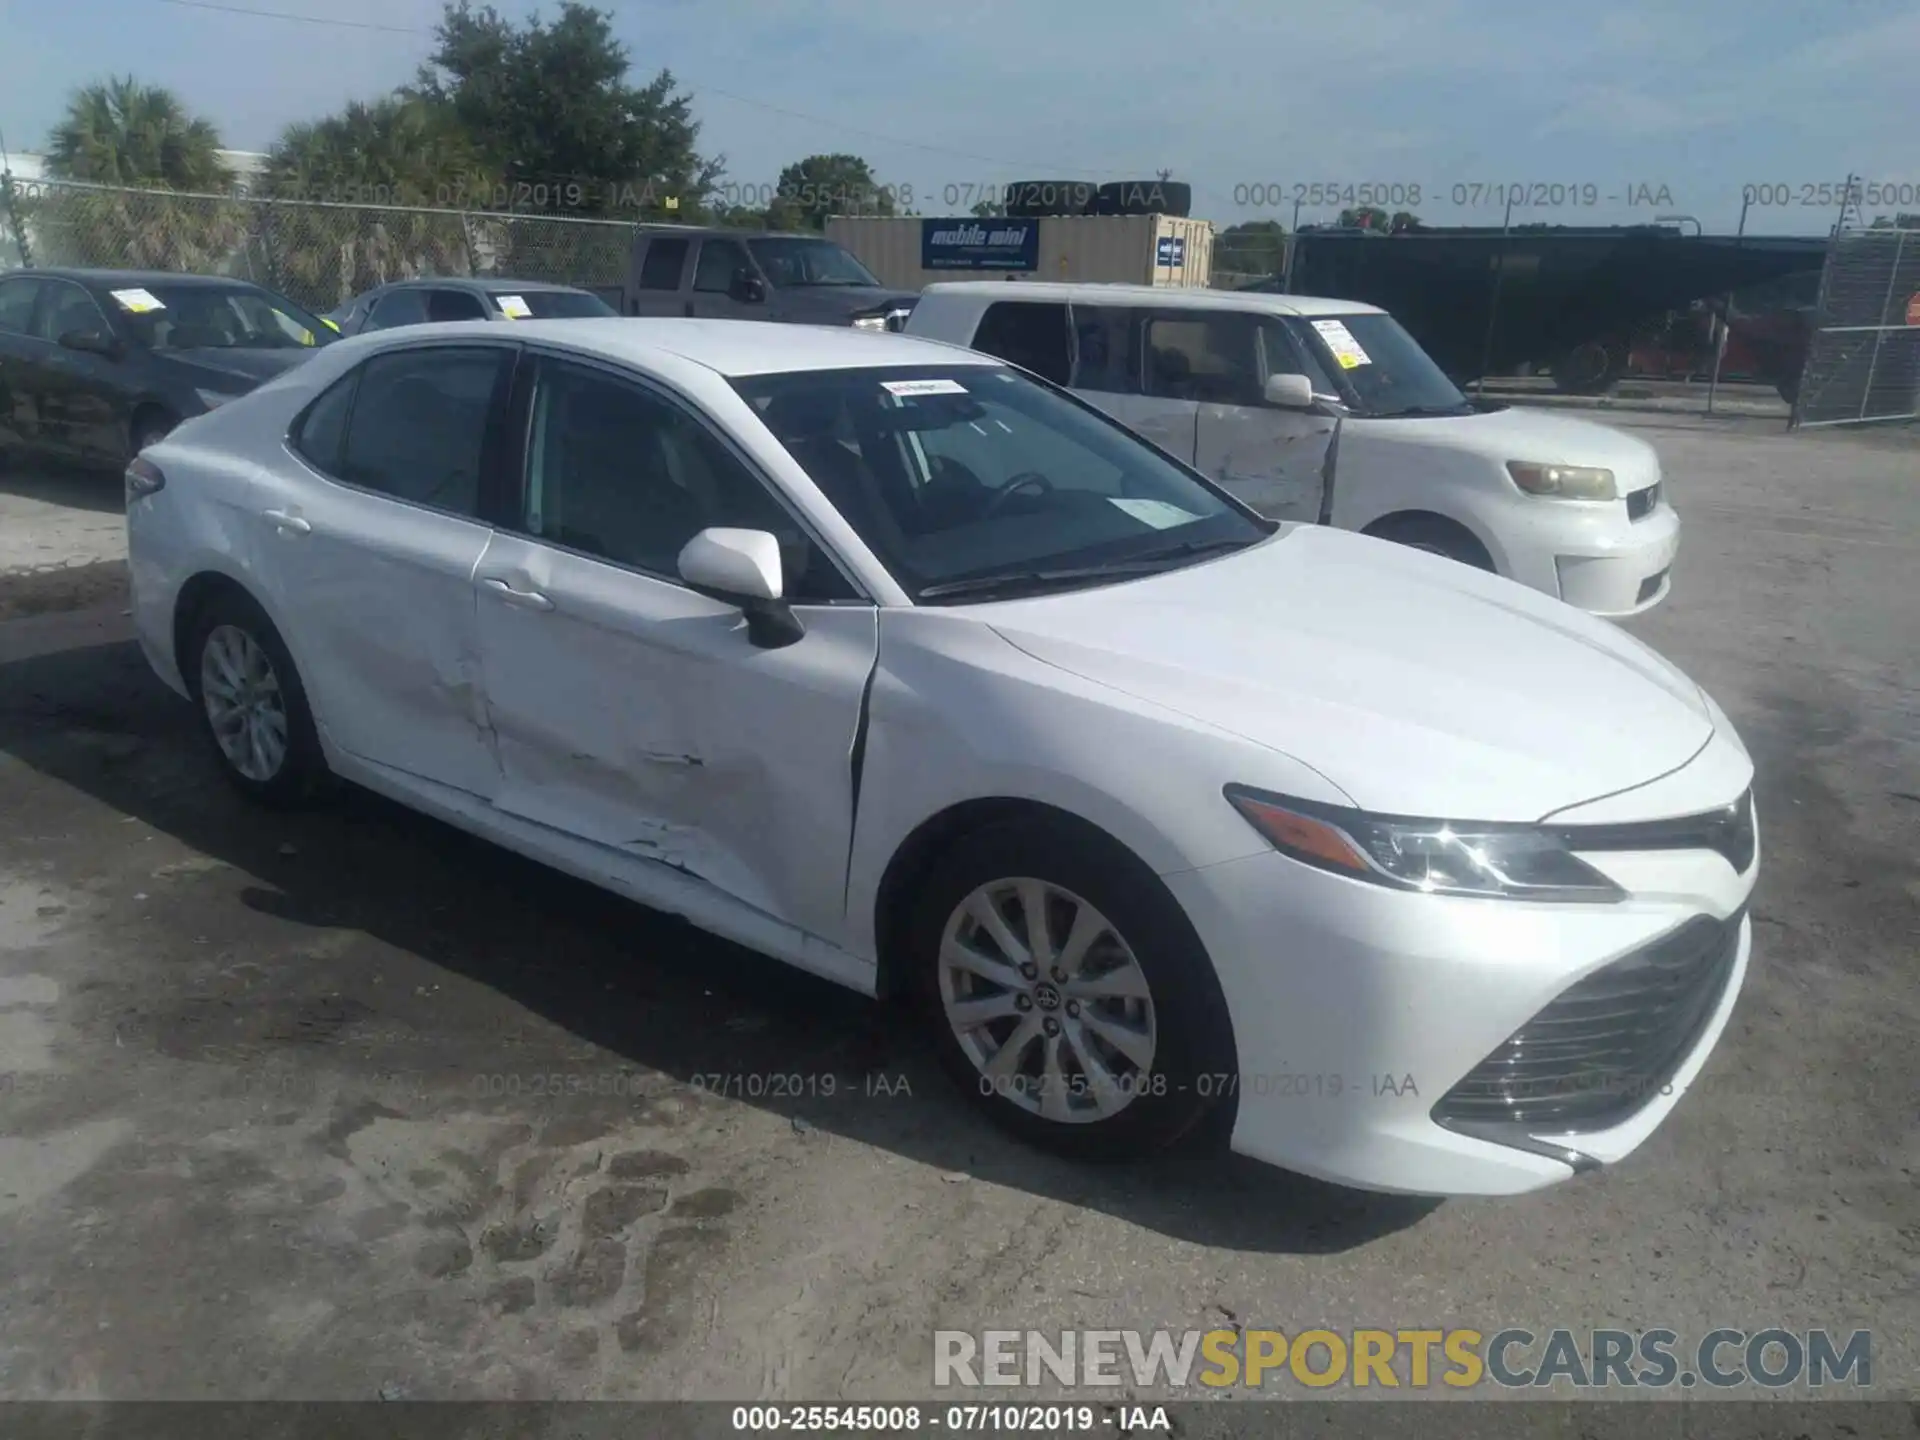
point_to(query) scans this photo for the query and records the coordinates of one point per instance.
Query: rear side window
(419, 424)
(1106, 350)
(16, 303)
(319, 436)
(661, 267)
(1027, 333)
(454, 305)
(400, 307)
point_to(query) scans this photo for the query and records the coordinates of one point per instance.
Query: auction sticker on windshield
(923, 387)
(513, 307)
(1160, 514)
(137, 302)
(1340, 341)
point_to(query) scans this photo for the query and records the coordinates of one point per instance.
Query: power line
(697, 86)
(302, 19)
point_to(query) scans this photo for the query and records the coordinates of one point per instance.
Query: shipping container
(1127, 249)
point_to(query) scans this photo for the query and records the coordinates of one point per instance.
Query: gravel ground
(325, 1105)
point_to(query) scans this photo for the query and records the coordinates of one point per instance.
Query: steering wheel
(1031, 481)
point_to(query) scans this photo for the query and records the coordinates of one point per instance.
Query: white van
(1248, 388)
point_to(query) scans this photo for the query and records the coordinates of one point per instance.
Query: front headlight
(214, 399)
(1428, 857)
(1563, 482)
(870, 322)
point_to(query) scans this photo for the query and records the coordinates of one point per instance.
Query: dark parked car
(422, 302)
(757, 275)
(97, 364)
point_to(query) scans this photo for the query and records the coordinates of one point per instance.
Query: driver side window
(719, 261)
(1204, 357)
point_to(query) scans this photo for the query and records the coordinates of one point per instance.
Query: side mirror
(90, 342)
(748, 287)
(1290, 392)
(742, 567)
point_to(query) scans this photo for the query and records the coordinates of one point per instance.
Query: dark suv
(757, 275)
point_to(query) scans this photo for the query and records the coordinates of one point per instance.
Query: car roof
(129, 278)
(733, 348)
(1173, 296)
(489, 284)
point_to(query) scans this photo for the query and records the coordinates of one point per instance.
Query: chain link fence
(1863, 358)
(319, 255)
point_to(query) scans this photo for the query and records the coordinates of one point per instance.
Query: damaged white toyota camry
(887, 660)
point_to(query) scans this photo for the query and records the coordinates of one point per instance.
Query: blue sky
(1246, 99)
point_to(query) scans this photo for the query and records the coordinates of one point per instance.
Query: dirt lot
(344, 1104)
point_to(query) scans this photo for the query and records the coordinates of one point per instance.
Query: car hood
(1418, 685)
(1522, 434)
(839, 302)
(224, 369)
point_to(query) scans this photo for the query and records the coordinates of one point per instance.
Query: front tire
(1437, 537)
(252, 705)
(148, 428)
(1066, 993)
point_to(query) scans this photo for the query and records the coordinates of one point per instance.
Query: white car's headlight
(870, 322)
(1563, 482)
(214, 399)
(1428, 857)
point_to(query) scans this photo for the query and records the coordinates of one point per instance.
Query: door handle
(526, 599)
(287, 523)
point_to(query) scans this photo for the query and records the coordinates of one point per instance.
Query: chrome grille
(1606, 1047)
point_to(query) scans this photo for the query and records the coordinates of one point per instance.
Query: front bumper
(1617, 568)
(1356, 1010)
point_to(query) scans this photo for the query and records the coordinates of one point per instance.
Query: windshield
(562, 305)
(973, 482)
(1380, 370)
(789, 263)
(217, 317)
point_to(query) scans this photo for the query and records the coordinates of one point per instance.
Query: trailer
(1487, 301)
(912, 252)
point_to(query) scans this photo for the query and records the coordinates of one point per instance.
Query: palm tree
(120, 132)
(141, 141)
(383, 164)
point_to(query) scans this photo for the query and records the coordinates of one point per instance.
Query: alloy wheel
(244, 703)
(1047, 1001)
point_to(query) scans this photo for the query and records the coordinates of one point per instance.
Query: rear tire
(1590, 368)
(1115, 1041)
(253, 707)
(1437, 537)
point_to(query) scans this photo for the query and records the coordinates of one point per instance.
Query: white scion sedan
(920, 674)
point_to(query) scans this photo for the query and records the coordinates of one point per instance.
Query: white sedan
(920, 674)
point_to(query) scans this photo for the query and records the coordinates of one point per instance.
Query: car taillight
(143, 478)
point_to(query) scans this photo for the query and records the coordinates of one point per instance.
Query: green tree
(988, 209)
(402, 155)
(550, 110)
(1364, 217)
(1403, 221)
(1254, 247)
(120, 132)
(141, 141)
(812, 189)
